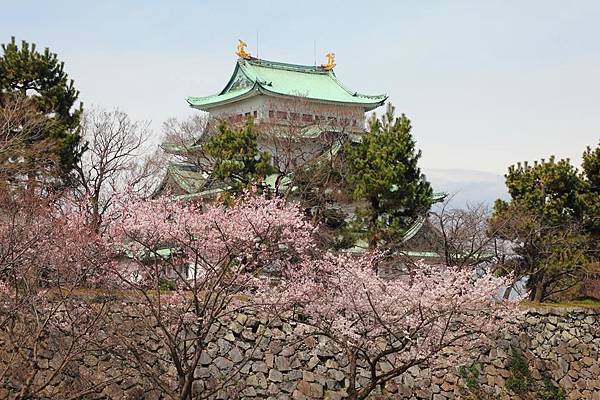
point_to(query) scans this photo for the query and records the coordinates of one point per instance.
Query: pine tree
(591, 197)
(383, 170)
(40, 79)
(552, 219)
(237, 160)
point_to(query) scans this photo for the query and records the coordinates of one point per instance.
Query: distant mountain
(467, 186)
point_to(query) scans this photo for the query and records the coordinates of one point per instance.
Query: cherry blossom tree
(46, 254)
(388, 326)
(256, 255)
(213, 256)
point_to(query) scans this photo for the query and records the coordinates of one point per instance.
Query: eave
(244, 94)
(258, 89)
(368, 106)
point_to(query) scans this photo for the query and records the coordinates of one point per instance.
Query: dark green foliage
(591, 167)
(520, 380)
(319, 185)
(237, 159)
(333, 217)
(549, 189)
(550, 391)
(470, 376)
(553, 219)
(167, 285)
(383, 170)
(591, 197)
(40, 77)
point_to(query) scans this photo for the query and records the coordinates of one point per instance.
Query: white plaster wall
(257, 103)
(262, 104)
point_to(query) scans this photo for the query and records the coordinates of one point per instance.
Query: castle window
(282, 115)
(271, 114)
(255, 113)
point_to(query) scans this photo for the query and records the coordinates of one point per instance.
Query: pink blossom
(255, 233)
(434, 313)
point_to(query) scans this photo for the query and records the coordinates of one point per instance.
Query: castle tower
(301, 113)
(288, 94)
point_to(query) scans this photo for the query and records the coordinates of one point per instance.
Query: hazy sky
(486, 83)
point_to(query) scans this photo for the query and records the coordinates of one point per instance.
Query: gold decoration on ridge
(241, 50)
(330, 61)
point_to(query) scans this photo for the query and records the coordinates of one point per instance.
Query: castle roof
(254, 76)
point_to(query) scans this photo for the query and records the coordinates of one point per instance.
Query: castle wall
(281, 360)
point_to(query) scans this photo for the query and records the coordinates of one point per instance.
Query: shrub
(520, 380)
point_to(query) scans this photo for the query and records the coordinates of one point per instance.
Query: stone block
(260, 366)
(236, 355)
(282, 363)
(275, 376)
(312, 362)
(223, 363)
(292, 375)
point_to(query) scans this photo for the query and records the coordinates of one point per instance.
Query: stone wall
(559, 348)
(556, 352)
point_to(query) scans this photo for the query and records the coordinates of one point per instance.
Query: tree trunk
(539, 289)
(373, 222)
(352, 394)
(96, 218)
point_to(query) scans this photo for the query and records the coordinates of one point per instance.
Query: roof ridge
(285, 66)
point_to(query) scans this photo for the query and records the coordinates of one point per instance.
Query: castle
(302, 113)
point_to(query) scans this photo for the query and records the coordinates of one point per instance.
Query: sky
(485, 83)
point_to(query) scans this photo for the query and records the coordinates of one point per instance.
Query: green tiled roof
(418, 224)
(438, 196)
(150, 254)
(255, 76)
(180, 148)
(195, 184)
(202, 195)
(187, 177)
(422, 254)
(414, 228)
(221, 98)
(361, 245)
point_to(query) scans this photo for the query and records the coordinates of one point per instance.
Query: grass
(564, 304)
(125, 293)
